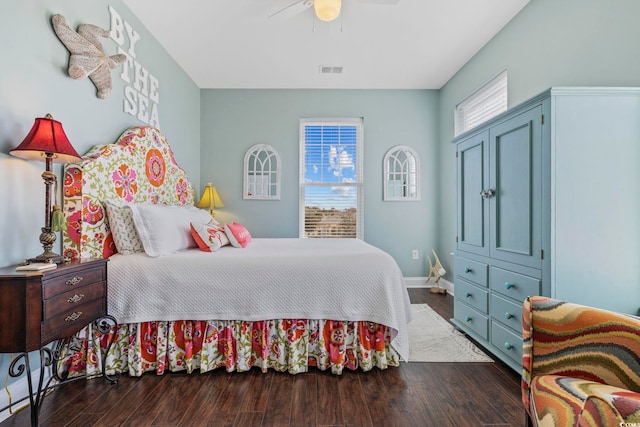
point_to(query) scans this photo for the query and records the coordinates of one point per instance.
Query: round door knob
(468, 270)
(508, 346)
(468, 319)
(509, 285)
(469, 295)
(508, 315)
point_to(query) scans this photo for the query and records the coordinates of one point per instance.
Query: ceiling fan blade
(293, 9)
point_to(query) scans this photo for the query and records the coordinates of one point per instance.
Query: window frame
(484, 103)
(358, 122)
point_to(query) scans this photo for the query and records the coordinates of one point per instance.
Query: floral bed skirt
(290, 345)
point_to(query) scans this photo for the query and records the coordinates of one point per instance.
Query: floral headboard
(138, 168)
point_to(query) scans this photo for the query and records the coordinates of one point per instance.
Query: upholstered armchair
(581, 365)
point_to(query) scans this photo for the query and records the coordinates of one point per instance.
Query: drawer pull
(508, 315)
(469, 295)
(468, 319)
(74, 280)
(73, 316)
(76, 298)
(468, 270)
(508, 346)
(509, 285)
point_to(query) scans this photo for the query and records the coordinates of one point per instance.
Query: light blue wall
(549, 43)
(34, 81)
(234, 120)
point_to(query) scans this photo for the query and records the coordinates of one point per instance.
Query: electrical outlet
(415, 254)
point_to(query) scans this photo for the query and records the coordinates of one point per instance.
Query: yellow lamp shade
(327, 10)
(210, 199)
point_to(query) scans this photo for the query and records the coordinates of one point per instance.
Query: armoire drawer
(507, 341)
(472, 319)
(472, 295)
(472, 271)
(507, 312)
(513, 285)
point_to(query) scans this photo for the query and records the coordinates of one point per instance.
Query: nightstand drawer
(472, 271)
(78, 277)
(513, 285)
(71, 299)
(67, 323)
(472, 295)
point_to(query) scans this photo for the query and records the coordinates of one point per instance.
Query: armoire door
(515, 179)
(473, 210)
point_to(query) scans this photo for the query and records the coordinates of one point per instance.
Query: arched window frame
(398, 167)
(264, 161)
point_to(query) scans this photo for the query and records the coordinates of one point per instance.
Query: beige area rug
(433, 339)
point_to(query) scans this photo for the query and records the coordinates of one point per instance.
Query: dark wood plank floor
(414, 394)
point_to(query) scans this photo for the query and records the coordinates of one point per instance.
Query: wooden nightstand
(37, 308)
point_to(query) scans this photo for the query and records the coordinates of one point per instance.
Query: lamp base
(47, 239)
(47, 257)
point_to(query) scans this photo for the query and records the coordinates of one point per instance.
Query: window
(331, 178)
(401, 174)
(485, 103)
(261, 173)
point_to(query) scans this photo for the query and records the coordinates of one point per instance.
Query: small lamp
(327, 10)
(210, 199)
(47, 141)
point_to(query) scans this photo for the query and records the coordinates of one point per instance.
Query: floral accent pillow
(123, 229)
(237, 234)
(209, 237)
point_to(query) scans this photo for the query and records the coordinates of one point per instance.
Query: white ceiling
(414, 44)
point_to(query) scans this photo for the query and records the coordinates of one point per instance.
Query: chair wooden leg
(528, 419)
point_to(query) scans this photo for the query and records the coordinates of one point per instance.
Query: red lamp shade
(46, 136)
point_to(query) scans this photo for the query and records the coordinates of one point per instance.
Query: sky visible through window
(330, 166)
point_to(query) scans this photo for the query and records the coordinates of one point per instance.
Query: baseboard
(421, 282)
(415, 282)
(19, 389)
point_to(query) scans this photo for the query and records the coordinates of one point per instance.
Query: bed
(282, 304)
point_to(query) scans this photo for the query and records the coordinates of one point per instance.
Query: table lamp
(47, 141)
(210, 199)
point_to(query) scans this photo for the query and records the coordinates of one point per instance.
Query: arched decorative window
(261, 173)
(401, 174)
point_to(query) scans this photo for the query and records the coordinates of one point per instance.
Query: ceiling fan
(325, 10)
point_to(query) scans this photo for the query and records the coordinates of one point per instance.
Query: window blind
(331, 178)
(485, 103)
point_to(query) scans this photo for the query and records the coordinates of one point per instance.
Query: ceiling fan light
(327, 10)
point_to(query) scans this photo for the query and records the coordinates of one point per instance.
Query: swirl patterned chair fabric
(581, 365)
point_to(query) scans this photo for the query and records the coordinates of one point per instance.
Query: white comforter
(340, 279)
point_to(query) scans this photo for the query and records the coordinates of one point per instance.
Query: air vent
(330, 70)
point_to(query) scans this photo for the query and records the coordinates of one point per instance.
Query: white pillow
(164, 230)
(123, 229)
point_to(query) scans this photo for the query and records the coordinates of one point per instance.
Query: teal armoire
(548, 203)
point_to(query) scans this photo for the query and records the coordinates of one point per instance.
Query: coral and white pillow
(237, 234)
(164, 230)
(209, 237)
(123, 229)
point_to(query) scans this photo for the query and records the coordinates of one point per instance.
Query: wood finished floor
(414, 394)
